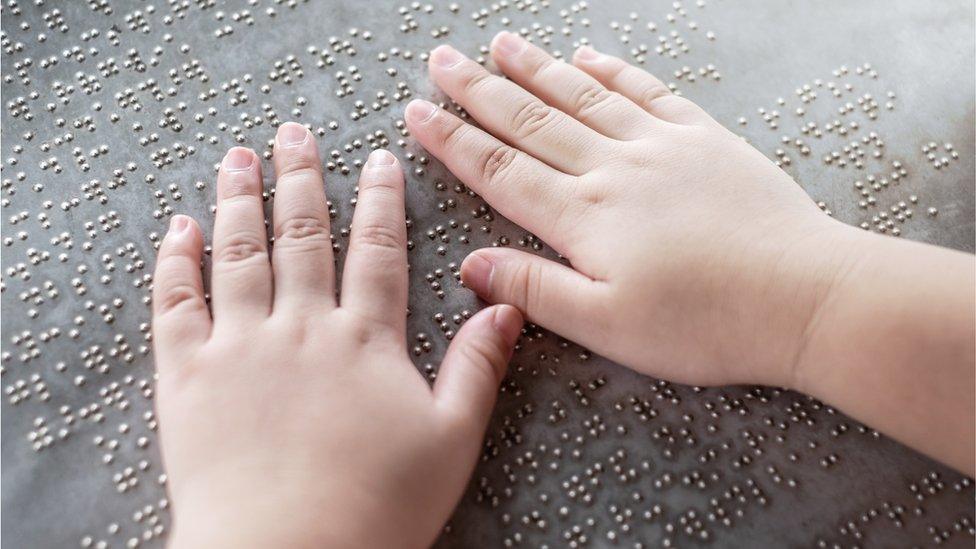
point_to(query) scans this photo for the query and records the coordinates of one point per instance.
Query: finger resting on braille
(181, 318)
(616, 74)
(536, 286)
(569, 89)
(640, 86)
(241, 277)
(510, 112)
(522, 188)
(302, 258)
(375, 276)
(475, 364)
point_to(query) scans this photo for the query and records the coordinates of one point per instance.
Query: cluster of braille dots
(782, 157)
(22, 390)
(896, 514)
(889, 221)
(932, 154)
(286, 70)
(857, 151)
(409, 22)
(687, 74)
(854, 152)
(148, 517)
(580, 486)
(669, 44)
(136, 21)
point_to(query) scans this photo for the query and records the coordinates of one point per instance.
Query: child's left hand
(289, 419)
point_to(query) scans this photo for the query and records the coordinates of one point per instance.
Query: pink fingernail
(587, 53)
(420, 111)
(446, 56)
(178, 224)
(380, 158)
(238, 159)
(291, 134)
(509, 44)
(476, 273)
(508, 321)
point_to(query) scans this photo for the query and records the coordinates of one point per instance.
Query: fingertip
(381, 158)
(182, 228)
(444, 57)
(476, 271)
(507, 44)
(419, 111)
(178, 224)
(291, 134)
(507, 321)
(587, 54)
(237, 159)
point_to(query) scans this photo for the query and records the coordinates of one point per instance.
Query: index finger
(521, 187)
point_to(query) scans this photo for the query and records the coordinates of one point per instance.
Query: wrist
(835, 261)
(306, 518)
(805, 278)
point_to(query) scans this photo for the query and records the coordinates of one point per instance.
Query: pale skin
(690, 257)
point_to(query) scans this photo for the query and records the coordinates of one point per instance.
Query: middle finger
(515, 115)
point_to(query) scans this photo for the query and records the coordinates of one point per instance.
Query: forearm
(893, 346)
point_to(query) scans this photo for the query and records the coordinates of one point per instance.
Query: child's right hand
(687, 246)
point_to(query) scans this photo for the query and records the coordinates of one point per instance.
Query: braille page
(116, 114)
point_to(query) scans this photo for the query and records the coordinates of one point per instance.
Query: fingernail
(508, 321)
(476, 274)
(178, 223)
(291, 134)
(238, 159)
(380, 158)
(446, 56)
(509, 44)
(587, 53)
(420, 111)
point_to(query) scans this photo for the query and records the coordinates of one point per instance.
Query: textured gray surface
(581, 451)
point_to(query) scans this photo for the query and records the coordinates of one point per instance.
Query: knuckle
(390, 182)
(650, 96)
(543, 65)
(527, 286)
(497, 163)
(587, 199)
(483, 354)
(365, 330)
(615, 67)
(243, 200)
(531, 118)
(244, 191)
(456, 134)
(380, 237)
(178, 295)
(240, 248)
(476, 80)
(591, 98)
(590, 195)
(307, 230)
(298, 172)
(685, 108)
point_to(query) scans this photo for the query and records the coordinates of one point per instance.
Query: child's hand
(288, 419)
(686, 243)
(694, 258)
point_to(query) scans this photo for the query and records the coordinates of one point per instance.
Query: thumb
(548, 293)
(475, 364)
